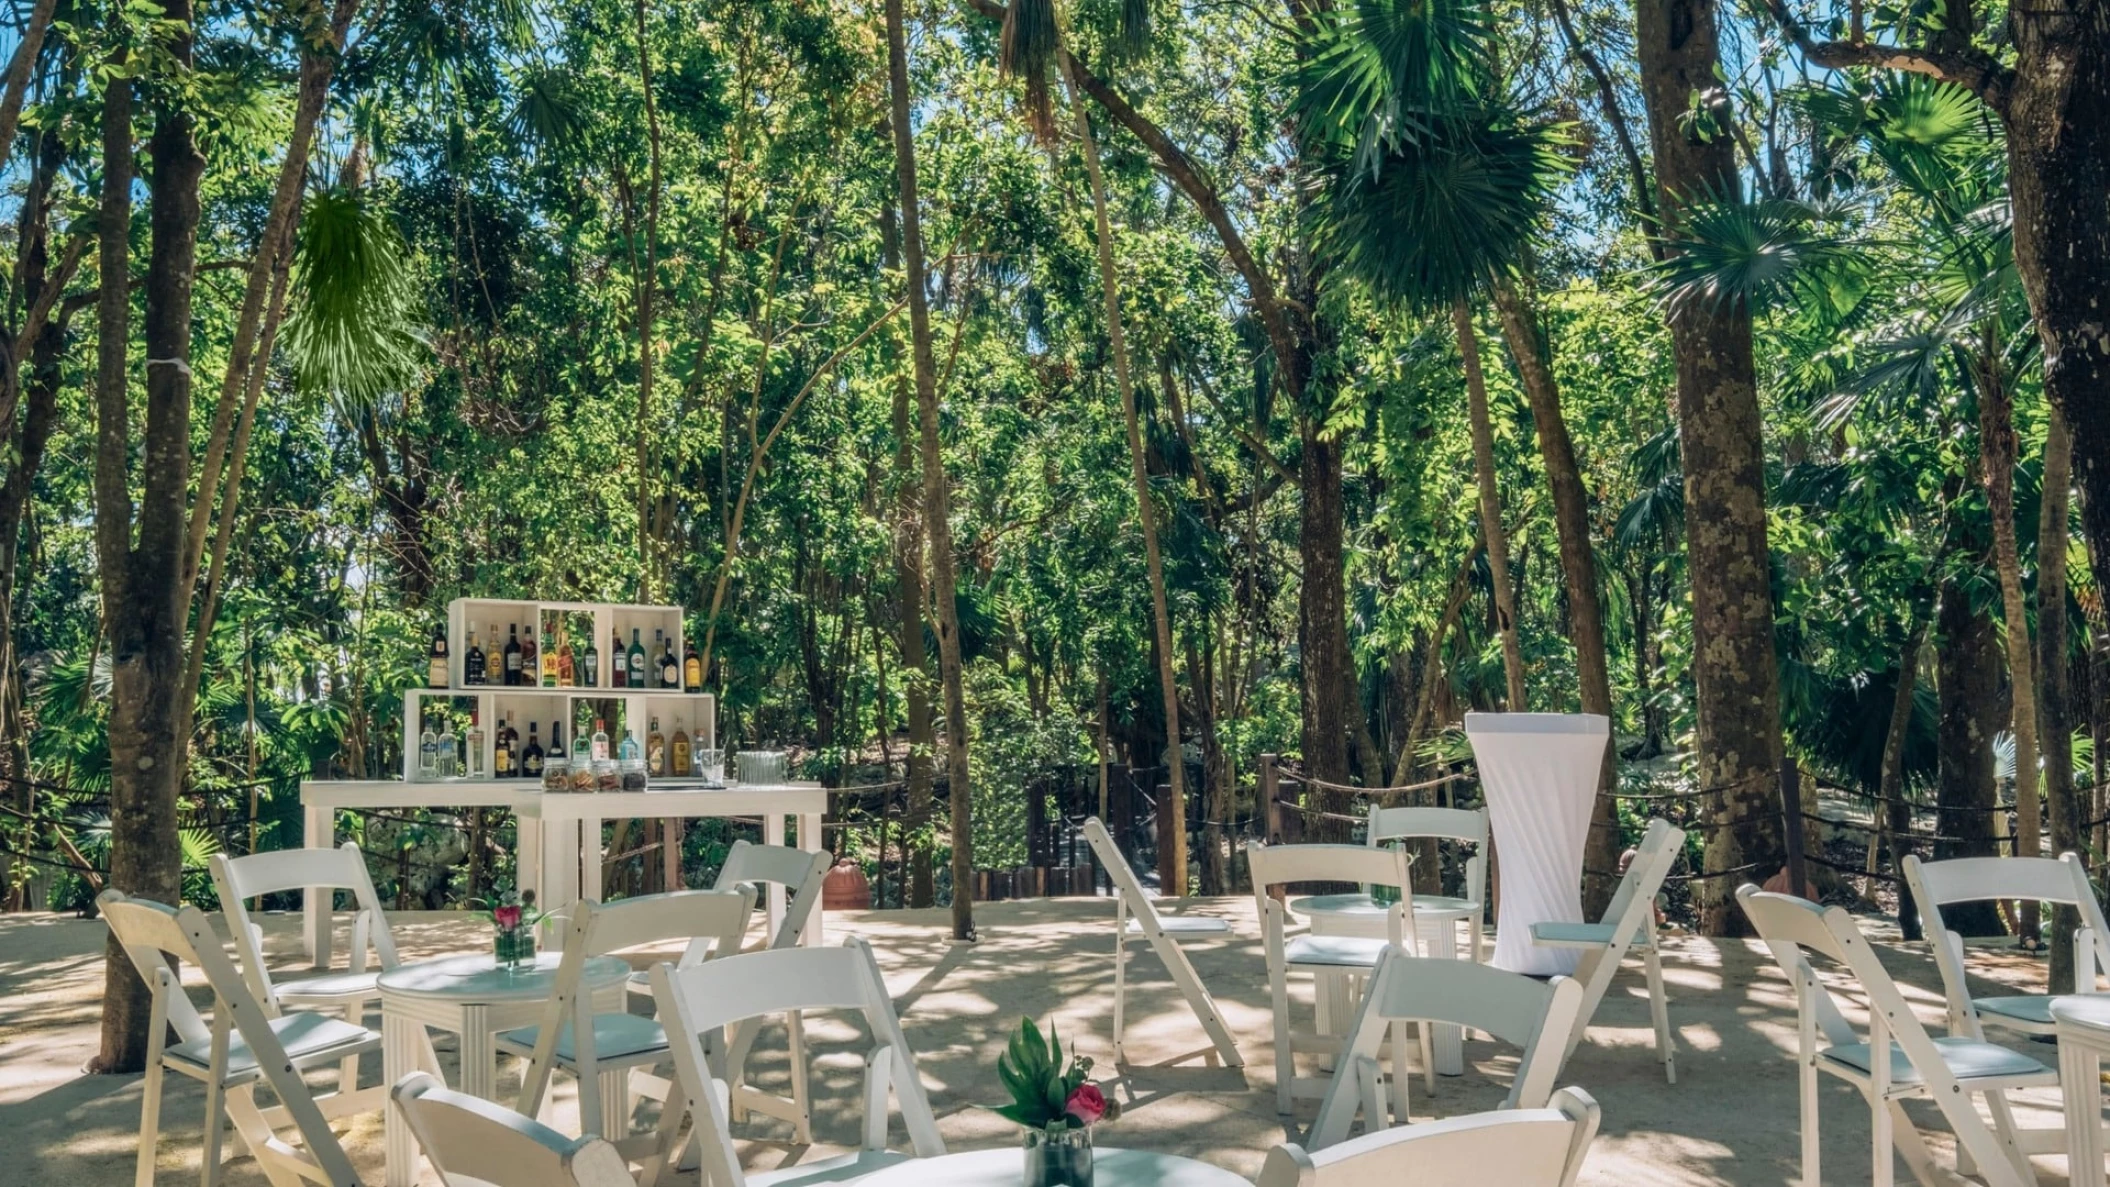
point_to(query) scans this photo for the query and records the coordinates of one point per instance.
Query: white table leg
(399, 1057)
(319, 829)
(2080, 1079)
(527, 852)
(810, 839)
(1440, 941)
(559, 874)
(773, 834)
(479, 1053)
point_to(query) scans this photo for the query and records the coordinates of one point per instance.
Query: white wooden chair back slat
(1533, 1015)
(1292, 865)
(798, 871)
(1453, 824)
(1542, 1147)
(150, 933)
(2062, 880)
(1636, 893)
(701, 999)
(1129, 898)
(470, 1140)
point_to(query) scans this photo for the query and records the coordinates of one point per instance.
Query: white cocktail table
(473, 998)
(1111, 1167)
(1539, 773)
(1436, 919)
(2082, 1023)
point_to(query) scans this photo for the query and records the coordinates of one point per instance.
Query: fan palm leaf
(353, 332)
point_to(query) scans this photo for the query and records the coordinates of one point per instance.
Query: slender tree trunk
(1491, 529)
(1525, 335)
(915, 666)
(1896, 817)
(937, 502)
(647, 286)
(1968, 681)
(2055, 678)
(1996, 456)
(1172, 813)
(149, 715)
(1215, 864)
(1735, 675)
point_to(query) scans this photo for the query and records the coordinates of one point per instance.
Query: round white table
(2082, 1023)
(475, 999)
(1436, 920)
(1111, 1167)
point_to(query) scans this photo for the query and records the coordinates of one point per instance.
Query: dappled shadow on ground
(1731, 1119)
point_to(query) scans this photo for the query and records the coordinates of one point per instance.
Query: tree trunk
(647, 287)
(1216, 791)
(1525, 336)
(915, 666)
(145, 617)
(1996, 458)
(937, 502)
(1735, 676)
(1491, 529)
(1327, 668)
(1968, 681)
(1893, 812)
(2055, 679)
(1172, 812)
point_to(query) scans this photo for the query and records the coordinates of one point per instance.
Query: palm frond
(1027, 50)
(354, 331)
(1756, 253)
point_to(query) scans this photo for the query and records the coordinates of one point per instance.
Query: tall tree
(1491, 529)
(1172, 813)
(937, 499)
(1735, 675)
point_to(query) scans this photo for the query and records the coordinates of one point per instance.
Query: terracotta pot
(845, 887)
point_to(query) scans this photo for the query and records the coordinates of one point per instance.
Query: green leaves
(353, 331)
(1032, 1071)
(1757, 253)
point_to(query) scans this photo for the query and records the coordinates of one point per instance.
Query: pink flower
(507, 918)
(1087, 1104)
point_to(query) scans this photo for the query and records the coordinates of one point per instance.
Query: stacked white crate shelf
(692, 712)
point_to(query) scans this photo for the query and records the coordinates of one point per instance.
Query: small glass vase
(514, 949)
(1058, 1157)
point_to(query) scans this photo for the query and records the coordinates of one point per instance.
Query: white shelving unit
(634, 709)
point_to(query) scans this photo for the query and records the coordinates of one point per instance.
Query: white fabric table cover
(1539, 773)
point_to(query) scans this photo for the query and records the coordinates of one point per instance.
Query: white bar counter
(555, 828)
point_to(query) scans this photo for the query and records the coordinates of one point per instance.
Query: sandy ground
(1731, 1119)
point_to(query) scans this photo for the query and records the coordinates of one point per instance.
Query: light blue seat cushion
(310, 1040)
(1337, 951)
(1968, 1059)
(615, 1037)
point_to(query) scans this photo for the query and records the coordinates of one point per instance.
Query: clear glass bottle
(428, 752)
(475, 764)
(631, 762)
(600, 740)
(450, 751)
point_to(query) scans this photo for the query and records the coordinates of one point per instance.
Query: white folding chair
(1466, 825)
(1136, 917)
(601, 1049)
(1897, 1060)
(238, 879)
(1338, 964)
(1514, 1148)
(703, 998)
(1526, 1012)
(242, 1045)
(474, 1143)
(1629, 922)
(2062, 879)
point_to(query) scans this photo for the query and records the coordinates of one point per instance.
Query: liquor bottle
(656, 751)
(549, 662)
(450, 751)
(590, 664)
(475, 765)
(637, 660)
(678, 753)
(618, 667)
(502, 753)
(530, 664)
(428, 752)
(473, 663)
(436, 671)
(600, 740)
(581, 752)
(531, 758)
(512, 654)
(629, 751)
(669, 667)
(556, 767)
(691, 668)
(567, 666)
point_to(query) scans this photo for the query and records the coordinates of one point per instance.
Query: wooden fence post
(1270, 808)
(1791, 825)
